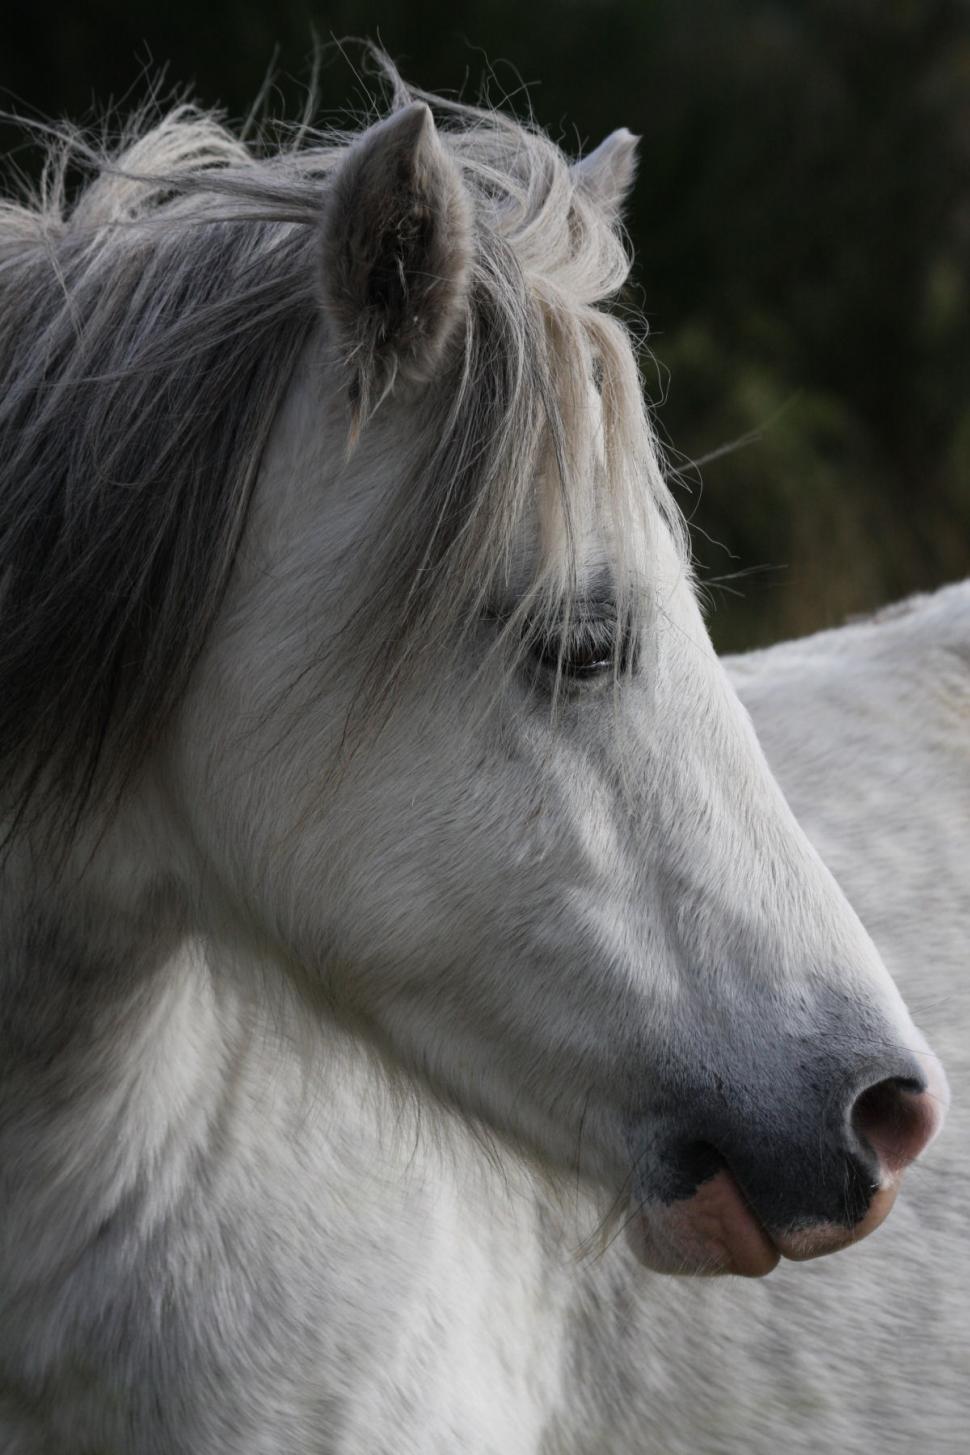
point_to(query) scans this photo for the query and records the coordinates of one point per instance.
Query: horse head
(380, 592)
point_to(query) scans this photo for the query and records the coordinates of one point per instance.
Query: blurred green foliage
(801, 228)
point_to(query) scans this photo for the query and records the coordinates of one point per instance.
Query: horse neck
(156, 1054)
(110, 1051)
(171, 1093)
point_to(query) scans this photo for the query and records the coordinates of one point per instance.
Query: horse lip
(712, 1232)
(716, 1231)
(821, 1238)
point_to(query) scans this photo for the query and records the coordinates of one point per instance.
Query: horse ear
(397, 249)
(607, 174)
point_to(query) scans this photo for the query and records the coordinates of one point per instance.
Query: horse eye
(588, 649)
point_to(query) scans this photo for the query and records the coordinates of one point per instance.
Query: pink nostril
(898, 1119)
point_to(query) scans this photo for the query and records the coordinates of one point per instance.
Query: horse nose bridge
(718, 901)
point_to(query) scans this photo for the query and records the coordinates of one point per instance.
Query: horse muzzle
(736, 1201)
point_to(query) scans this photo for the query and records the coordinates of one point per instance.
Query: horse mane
(150, 323)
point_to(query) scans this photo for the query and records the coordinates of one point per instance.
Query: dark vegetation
(801, 225)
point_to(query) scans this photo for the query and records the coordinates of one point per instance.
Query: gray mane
(149, 329)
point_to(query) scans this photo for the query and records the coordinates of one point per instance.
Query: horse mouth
(716, 1231)
(712, 1232)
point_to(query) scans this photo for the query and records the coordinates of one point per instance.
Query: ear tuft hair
(608, 173)
(396, 255)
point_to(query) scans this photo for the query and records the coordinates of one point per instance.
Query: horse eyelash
(588, 646)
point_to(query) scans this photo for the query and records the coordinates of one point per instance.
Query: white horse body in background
(445, 911)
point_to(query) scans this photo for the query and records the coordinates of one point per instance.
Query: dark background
(801, 226)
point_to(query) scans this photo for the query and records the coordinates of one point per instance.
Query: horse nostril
(897, 1118)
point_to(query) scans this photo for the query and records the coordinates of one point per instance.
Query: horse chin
(710, 1233)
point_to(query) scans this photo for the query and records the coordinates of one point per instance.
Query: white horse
(392, 881)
